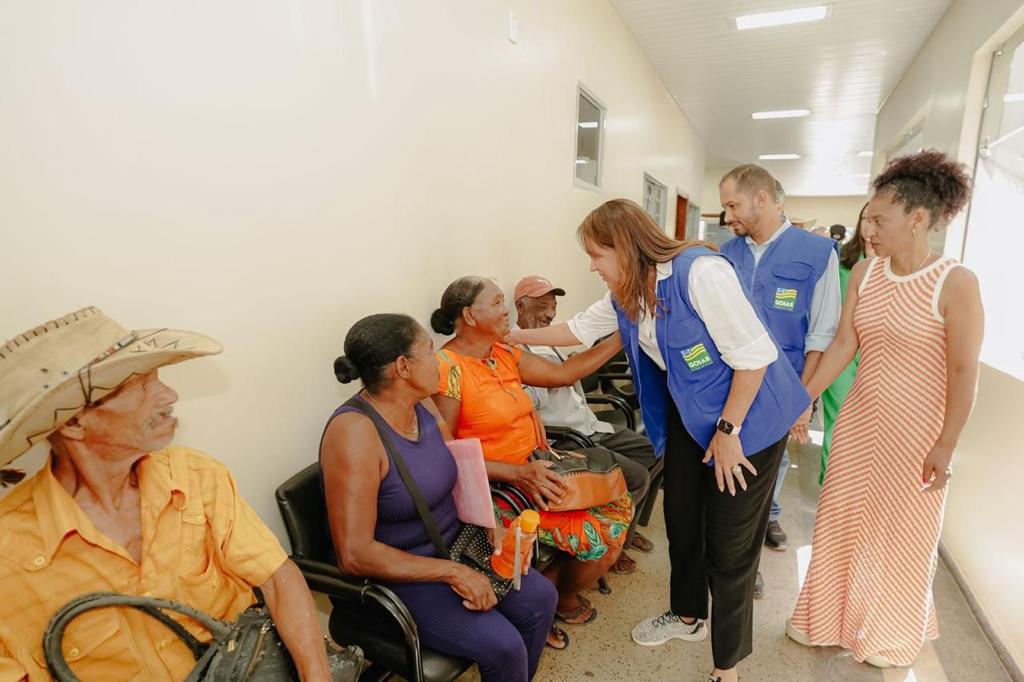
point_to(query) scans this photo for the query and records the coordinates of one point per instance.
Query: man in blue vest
(793, 280)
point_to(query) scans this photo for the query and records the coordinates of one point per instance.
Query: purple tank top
(433, 468)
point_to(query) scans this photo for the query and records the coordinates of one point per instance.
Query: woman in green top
(852, 251)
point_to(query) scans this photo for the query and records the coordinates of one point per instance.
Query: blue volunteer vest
(697, 381)
(782, 284)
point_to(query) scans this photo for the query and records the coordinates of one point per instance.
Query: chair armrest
(616, 376)
(327, 579)
(616, 366)
(565, 433)
(619, 404)
(512, 496)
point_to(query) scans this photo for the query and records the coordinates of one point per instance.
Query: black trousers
(715, 539)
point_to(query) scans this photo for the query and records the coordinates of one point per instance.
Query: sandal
(560, 636)
(624, 565)
(641, 543)
(581, 615)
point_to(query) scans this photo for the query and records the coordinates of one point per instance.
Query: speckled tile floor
(602, 651)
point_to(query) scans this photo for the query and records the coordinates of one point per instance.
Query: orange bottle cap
(529, 520)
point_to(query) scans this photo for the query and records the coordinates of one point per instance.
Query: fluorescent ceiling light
(867, 154)
(785, 113)
(588, 124)
(1014, 97)
(788, 16)
(778, 157)
(581, 162)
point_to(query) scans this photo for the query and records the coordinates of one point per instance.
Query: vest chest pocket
(790, 287)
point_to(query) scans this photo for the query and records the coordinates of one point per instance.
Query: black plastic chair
(365, 613)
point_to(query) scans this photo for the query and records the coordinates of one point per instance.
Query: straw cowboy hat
(49, 373)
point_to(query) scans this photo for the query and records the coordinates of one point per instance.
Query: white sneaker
(660, 629)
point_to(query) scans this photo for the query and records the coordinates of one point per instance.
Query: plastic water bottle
(516, 545)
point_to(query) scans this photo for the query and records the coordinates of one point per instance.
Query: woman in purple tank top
(376, 529)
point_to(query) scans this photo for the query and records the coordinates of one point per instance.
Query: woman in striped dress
(917, 320)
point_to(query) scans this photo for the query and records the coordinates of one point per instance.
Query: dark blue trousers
(505, 642)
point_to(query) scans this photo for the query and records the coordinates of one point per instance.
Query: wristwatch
(728, 428)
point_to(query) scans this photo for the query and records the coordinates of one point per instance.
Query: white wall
(826, 210)
(942, 91)
(270, 172)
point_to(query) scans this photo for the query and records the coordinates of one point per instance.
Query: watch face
(725, 427)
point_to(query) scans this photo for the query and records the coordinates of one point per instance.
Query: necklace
(413, 433)
(919, 265)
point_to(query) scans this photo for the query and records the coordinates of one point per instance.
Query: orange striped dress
(869, 584)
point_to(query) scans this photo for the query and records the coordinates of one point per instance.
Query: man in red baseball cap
(536, 286)
(536, 304)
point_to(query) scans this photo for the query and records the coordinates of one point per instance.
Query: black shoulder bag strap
(356, 402)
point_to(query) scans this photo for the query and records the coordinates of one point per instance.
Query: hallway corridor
(603, 651)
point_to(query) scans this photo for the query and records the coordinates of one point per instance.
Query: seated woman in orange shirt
(480, 395)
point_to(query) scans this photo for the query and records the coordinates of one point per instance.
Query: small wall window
(589, 133)
(655, 196)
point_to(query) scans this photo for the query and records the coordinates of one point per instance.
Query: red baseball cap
(535, 286)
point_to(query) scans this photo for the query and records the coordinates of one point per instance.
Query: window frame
(583, 91)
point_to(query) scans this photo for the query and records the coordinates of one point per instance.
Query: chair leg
(603, 587)
(638, 510)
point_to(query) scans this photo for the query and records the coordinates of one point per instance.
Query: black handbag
(249, 649)
(471, 547)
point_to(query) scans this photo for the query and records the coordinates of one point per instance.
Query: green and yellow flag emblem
(696, 357)
(785, 299)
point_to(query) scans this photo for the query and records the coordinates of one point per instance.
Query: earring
(913, 231)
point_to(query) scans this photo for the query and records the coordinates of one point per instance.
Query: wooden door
(682, 204)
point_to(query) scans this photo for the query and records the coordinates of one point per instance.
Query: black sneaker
(776, 538)
(759, 587)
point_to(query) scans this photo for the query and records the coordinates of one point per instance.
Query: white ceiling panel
(840, 68)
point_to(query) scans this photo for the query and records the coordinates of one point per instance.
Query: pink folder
(472, 490)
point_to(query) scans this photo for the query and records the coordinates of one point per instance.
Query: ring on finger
(736, 470)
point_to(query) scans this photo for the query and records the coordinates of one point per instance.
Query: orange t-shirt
(495, 407)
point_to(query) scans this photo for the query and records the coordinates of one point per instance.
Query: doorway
(682, 210)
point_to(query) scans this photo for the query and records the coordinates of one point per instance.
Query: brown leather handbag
(592, 475)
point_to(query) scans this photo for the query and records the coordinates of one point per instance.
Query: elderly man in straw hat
(116, 509)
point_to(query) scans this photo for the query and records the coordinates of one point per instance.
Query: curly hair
(929, 180)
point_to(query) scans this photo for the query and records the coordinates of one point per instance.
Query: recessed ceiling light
(588, 124)
(788, 16)
(778, 157)
(866, 153)
(1014, 97)
(784, 113)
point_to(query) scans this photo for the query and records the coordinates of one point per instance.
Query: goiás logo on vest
(785, 299)
(696, 357)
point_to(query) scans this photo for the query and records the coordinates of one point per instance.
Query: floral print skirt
(587, 534)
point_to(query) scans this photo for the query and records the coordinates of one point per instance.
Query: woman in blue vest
(716, 394)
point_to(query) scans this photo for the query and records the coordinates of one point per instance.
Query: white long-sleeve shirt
(719, 301)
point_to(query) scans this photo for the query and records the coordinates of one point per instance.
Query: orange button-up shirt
(202, 544)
